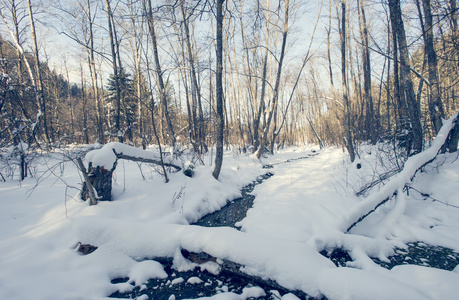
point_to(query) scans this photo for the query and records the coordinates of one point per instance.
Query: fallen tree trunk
(364, 208)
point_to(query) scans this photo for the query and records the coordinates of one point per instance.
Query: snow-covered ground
(296, 214)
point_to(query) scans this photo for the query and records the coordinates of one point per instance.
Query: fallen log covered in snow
(364, 208)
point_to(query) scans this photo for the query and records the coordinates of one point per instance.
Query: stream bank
(183, 284)
(201, 283)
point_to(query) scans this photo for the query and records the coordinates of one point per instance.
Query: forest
(238, 149)
(274, 74)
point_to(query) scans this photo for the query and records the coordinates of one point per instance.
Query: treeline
(368, 71)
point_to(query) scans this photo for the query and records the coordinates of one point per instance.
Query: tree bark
(159, 74)
(93, 72)
(88, 189)
(367, 95)
(262, 105)
(435, 103)
(219, 91)
(136, 49)
(200, 125)
(115, 71)
(405, 76)
(84, 107)
(39, 82)
(97, 179)
(330, 70)
(273, 107)
(349, 139)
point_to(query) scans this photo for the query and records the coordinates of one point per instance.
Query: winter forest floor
(296, 215)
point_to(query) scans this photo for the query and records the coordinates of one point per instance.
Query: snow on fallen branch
(102, 164)
(108, 155)
(361, 210)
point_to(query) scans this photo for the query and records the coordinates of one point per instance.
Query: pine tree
(128, 104)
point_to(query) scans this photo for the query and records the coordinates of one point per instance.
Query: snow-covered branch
(361, 210)
(108, 155)
(102, 164)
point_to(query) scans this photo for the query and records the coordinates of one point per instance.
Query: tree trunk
(262, 105)
(435, 103)
(115, 72)
(321, 144)
(200, 126)
(22, 58)
(84, 108)
(349, 139)
(159, 74)
(276, 86)
(219, 91)
(155, 131)
(330, 70)
(39, 82)
(95, 85)
(405, 76)
(138, 72)
(367, 95)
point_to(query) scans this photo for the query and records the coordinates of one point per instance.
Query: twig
(372, 184)
(430, 197)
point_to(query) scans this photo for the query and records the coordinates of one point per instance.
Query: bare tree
(370, 121)
(39, 81)
(406, 82)
(93, 71)
(435, 103)
(196, 90)
(219, 90)
(116, 70)
(349, 138)
(276, 86)
(159, 75)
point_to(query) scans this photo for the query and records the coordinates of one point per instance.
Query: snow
(297, 213)
(194, 280)
(400, 180)
(350, 283)
(437, 284)
(177, 281)
(249, 292)
(145, 270)
(105, 156)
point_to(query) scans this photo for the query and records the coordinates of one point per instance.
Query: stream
(235, 210)
(416, 253)
(197, 283)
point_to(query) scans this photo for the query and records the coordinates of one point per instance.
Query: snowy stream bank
(200, 282)
(296, 214)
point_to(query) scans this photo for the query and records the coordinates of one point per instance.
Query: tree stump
(101, 180)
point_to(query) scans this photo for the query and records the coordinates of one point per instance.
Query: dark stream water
(235, 210)
(197, 283)
(417, 253)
